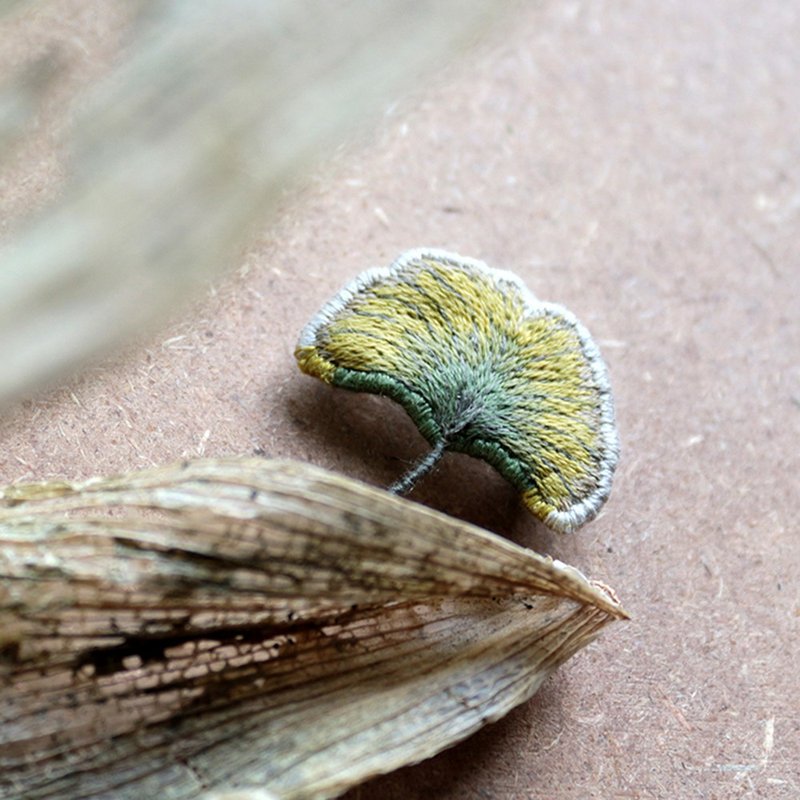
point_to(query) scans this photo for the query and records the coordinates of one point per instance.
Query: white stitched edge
(571, 519)
(562, 521)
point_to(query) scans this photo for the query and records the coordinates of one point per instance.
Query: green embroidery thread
(482, 367)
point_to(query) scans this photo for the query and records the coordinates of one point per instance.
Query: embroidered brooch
(482, 367)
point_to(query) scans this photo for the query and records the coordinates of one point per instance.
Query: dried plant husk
(225, 625)
(187, 147)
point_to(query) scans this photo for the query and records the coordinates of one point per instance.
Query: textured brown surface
(638, 162)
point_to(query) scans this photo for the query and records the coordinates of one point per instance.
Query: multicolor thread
(482, 367)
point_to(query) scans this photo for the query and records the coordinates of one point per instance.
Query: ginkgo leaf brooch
(482, 367)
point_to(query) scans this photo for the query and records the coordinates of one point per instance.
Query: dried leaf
(7, 6)
(216, 109)
(20, 99)
(247, 624)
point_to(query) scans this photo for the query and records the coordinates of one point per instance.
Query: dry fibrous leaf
(221, 626)
(19, 100)
(7, 6)
(215, 110)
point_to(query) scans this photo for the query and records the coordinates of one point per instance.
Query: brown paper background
(638, 162)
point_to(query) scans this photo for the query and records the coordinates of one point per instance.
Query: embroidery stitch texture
(482, 367)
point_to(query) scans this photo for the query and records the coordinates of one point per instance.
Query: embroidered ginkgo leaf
(482, 367)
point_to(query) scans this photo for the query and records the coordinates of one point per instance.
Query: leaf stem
(407, 482)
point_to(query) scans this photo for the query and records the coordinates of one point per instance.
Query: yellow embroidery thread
(482, 367)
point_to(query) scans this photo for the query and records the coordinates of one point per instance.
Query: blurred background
(183, 185)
